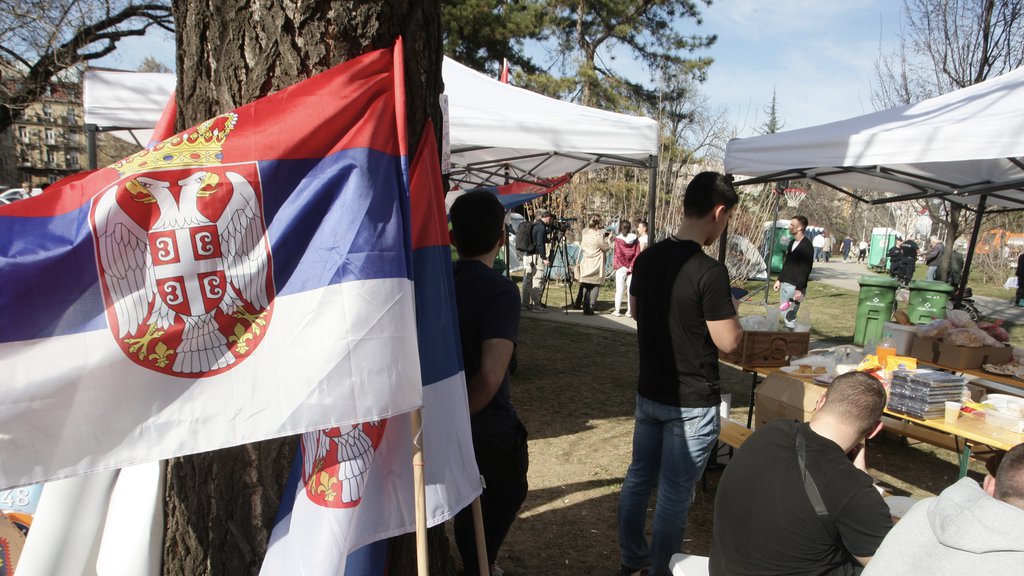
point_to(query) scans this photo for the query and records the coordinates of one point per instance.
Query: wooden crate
(769, 348)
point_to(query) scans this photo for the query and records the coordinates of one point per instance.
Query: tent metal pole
(652, 196)
(723, 244)
(90, 138)
(777, 192)
(973, 245)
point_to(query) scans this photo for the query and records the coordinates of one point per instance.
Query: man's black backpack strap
(810, 487)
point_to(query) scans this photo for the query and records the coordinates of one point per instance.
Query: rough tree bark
(220, 505)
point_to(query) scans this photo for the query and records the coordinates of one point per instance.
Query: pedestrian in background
(931, 258)
(627, 246)
(594, 243)
(818, 243)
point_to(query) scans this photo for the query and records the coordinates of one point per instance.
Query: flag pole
(478, 532)
(422, 554)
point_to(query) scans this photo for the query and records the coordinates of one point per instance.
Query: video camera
(562, 224)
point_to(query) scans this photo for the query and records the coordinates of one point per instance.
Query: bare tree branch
(41, 39)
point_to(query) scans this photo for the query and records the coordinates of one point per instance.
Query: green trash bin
(874, 307)
(927, 300)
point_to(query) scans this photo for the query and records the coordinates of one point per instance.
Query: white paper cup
(952, 412)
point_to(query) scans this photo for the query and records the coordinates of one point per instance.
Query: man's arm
(495, 354)
(863, 559)
(725, 334)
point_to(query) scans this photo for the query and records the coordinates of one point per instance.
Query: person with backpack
(532, 245)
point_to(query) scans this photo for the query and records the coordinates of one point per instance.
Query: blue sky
(818, 55)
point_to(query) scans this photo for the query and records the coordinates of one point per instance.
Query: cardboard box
(769, 348)
(781, 396)
(960, 357)
(926, 349)
(903, 336)
(999, 355)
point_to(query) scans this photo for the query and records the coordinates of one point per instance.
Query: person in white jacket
(967, 529)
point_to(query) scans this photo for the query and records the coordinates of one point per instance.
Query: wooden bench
(733, 433)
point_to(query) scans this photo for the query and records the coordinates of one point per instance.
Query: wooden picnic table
(970, 434)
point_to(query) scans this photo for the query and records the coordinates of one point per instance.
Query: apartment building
(47, 142)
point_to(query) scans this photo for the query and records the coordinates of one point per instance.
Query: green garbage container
(874, 307)
(927, 300)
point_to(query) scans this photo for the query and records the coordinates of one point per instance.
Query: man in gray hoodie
(967, 529)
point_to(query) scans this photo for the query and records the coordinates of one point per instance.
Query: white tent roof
(959, 145)
(497, 131)
(497, 126)
(129, 100)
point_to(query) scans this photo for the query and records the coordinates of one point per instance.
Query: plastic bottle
(885, 349)
(786, 305)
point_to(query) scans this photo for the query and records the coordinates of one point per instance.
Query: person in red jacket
(627, 247)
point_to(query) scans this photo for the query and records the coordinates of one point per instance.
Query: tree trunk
(221, 505)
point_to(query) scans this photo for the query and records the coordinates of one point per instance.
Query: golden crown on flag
(200, 146)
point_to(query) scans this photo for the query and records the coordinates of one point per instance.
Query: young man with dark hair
(797, 499)
(685, 313)
(796, 269)
(488, 305)
(967, 529)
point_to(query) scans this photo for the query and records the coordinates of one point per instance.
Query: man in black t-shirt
(683, 308)
(488, 305)
(775, 516)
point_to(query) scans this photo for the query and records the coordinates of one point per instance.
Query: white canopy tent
(498, 133)
(126, 101)
(964, 147)
(959, 146)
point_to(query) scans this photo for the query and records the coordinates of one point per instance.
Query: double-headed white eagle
(353, 452)
(128, 267)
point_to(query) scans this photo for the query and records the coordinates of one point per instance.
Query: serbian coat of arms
(184, 260)
(336, 462)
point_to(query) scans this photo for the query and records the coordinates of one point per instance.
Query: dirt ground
(575, 391)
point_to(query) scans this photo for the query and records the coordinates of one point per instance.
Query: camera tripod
(559, 252)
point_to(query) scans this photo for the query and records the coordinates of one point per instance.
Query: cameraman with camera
(536, 262)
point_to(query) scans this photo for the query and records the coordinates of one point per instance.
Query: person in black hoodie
(909, 260)
(796, 269)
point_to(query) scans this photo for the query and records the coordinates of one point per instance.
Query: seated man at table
(796, 498)
(967, 529)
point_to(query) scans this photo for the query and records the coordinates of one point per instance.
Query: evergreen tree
(587, 32)
(480, 33)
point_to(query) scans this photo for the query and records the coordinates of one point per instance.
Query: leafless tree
(949, 44)
(946, 45)
(40, 39)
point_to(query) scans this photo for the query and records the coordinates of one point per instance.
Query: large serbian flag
(246, 279)
(330, 525)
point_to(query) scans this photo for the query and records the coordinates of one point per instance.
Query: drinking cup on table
(952, 412)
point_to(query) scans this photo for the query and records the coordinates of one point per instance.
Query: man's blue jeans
(671, 446)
